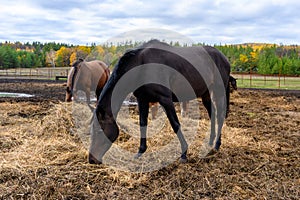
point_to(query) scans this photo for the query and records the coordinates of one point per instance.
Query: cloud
(212, 22)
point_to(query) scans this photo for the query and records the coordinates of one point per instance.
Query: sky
(82, 22)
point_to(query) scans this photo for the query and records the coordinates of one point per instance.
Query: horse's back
(96, 65)
(99, 73)
(220, 60)
(195, 65)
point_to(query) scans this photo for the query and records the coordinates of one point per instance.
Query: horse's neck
(107, 101)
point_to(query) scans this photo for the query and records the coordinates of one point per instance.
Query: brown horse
(87, 76)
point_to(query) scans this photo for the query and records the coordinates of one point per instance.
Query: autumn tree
(82, 51)
(63, 57)
(96, 54)
(50, 57)
(73, 58)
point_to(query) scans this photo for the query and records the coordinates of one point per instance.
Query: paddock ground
(41, 158)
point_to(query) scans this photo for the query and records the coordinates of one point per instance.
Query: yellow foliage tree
(243, 58)
(73, 58)
(63, 57)
(254, 55)
(113, 49)
(84, 49)
(99, 50)
(82, 52)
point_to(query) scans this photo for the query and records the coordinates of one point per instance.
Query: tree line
(254, 58)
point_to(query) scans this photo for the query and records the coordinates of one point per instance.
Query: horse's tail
(107, 72)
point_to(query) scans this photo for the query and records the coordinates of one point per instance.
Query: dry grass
(42, 156)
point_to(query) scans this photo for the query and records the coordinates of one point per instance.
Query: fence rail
(244, 80)
(35, 73)
(267, 81)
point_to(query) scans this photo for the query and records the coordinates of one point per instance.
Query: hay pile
(43, 158)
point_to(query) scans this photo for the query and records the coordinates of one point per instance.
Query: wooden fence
(244, 80)
(36, 73)
(267, 81)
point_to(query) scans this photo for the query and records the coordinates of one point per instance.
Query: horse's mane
(119, 69)
(128, 59)
(75, 66)
(77, 62)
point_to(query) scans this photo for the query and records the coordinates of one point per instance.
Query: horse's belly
(184, 91)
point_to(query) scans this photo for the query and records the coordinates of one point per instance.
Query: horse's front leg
(88, 96)
(88, 100)
(168, 105)
(143, 112)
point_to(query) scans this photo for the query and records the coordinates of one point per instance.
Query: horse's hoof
(93, 160)
(183, 160)
(212, 152)
(138, 155)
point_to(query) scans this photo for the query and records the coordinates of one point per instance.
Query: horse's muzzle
(93, 160)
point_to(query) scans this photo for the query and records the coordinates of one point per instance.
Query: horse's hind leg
(221, 115)
(143, 112)
(168, 105)
(154, 110)
(184, 108)
(216, 107)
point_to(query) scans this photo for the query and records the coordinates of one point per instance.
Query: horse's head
(104, 132)
(233, 82)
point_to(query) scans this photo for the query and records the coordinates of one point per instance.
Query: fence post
(250, 78)
(278, 80)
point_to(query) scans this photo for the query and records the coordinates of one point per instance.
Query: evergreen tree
(8, 57)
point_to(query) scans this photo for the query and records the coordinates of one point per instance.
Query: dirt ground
(44, 90)
(41, 158)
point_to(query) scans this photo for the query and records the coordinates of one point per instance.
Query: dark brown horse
(87, 76)
(185, 105)
(158, 72)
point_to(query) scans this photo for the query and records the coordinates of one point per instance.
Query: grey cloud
(79, 22)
